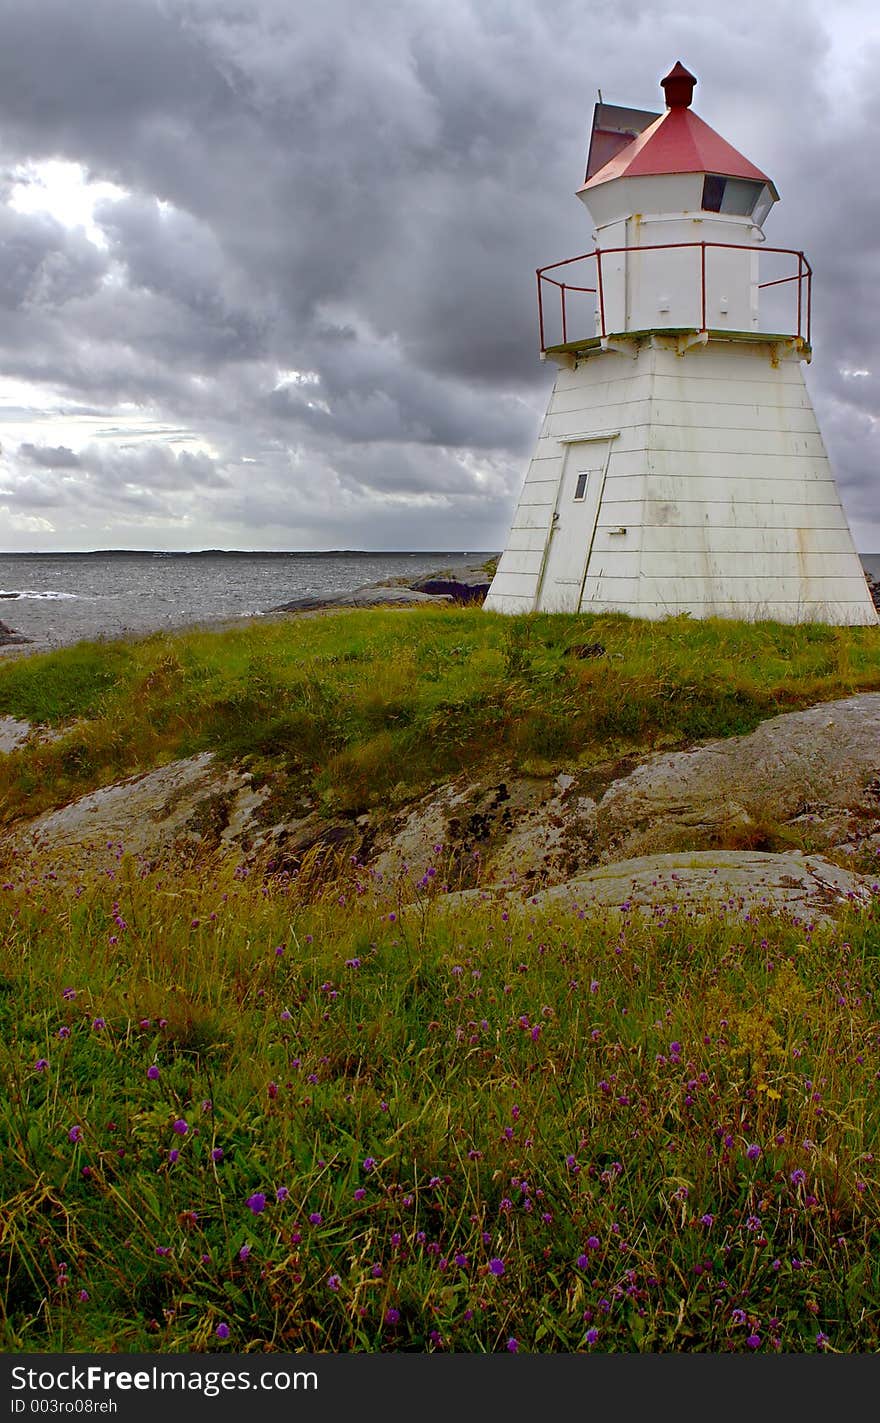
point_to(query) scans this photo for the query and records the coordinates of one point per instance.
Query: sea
(61, 598)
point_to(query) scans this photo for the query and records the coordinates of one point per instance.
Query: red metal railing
(803, 276)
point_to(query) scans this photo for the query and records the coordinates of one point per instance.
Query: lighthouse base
(672, 479)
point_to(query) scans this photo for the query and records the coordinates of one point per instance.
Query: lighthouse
(679, 468)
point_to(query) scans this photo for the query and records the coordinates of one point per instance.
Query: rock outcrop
(195, 801)
(803, 887)
(764, 814)
(371, 596)
(809, 778)
(10, 638)
(13, 733)
(460, 583)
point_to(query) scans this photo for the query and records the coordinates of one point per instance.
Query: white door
(574, 523)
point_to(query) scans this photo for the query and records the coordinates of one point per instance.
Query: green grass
(369, 708)
(429, 1093)
(511, 1082)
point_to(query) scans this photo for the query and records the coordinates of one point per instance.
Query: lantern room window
(738, 196)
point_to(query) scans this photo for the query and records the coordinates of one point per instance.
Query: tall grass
(312, 1112)
(333, 1125)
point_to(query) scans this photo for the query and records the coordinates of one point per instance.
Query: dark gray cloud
(317, 291)
(58, 458)
(43, 265)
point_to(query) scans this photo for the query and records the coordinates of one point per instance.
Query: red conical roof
(678, 142)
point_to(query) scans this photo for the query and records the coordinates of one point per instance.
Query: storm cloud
(267, 271)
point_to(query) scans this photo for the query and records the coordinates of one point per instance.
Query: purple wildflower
(222, 1331)
(75, 1134)
(496, 1266)
(181, 1127)
(153, 1072)
(798, 1177)
(754, 1341)
(282, 1193)
(41, 1064)
(173, 1155)
(315, 1218)
(753, 1152)
(333, 1283)
(256, 1203)
(217, 1153)
(512, 1345)
(369, 1163)
(591, 1336)
(392, 1316)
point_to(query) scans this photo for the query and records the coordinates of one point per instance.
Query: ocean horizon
(59, 598)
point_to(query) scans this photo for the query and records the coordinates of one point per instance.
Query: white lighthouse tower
(679, 468)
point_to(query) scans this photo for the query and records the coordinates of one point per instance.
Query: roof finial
(678, 86)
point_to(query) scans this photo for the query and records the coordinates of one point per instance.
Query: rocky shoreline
(461, 583)
(10, 638)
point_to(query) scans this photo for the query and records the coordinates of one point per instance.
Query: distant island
(248, 553)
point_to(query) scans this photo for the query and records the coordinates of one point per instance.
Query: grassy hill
(276, 1113)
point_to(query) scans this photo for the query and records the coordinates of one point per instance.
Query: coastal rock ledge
(786, 819)
(9, 637)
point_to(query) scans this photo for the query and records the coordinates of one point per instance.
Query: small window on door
(581, 486)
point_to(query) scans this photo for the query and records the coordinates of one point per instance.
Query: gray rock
(370, 596)
(807, 889)
(10, 638)
(459, 582)
(194, 801)
(13, 733)
(814, 773)
(817, 769)
(810, 777)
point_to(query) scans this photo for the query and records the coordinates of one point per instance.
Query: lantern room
(678, 215)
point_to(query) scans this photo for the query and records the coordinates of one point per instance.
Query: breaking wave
(41, 593)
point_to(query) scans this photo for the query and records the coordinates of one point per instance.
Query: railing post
(703, 286)
(540, 308)
(602, 331)
(809, 306)
(800, 280)
(562, 299)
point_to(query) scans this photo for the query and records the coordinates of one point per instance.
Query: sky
(267, 267)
